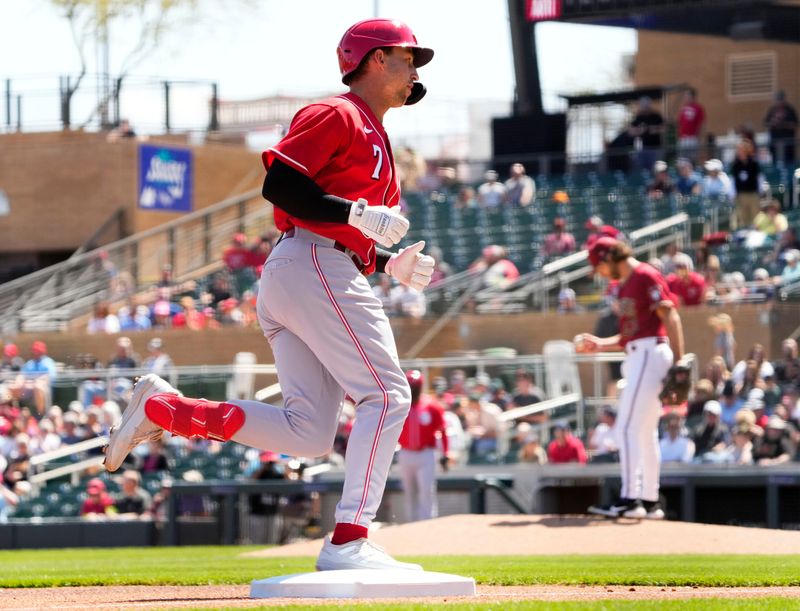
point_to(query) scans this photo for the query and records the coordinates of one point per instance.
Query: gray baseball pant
(329, 335)
(418, 478)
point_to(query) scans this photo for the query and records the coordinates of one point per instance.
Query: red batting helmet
(370, 34)
(415, 379)
(599, 249)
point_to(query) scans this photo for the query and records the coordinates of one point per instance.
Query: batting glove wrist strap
(383, 224)
(410, 267)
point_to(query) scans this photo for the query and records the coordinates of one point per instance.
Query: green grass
(223, 565)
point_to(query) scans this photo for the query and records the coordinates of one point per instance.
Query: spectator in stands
(141, 319)
(220, 290)
(770, 220)
(662, 184)
(8, 499)
(133, 501)
(791, 271)
(466, 199)
(525, 390)
(12, 362)
(238, 259)
(787, 368)
(155, 460)
(755, 405)
(441, 268)
(492, 194)
(603, 438)
(687, 284)
(676, 447)
(407, 301)
(162, 313)
(158, 361)
(229, 312)
(498, 271)
(763, 367)
(745, 171)
(597, 229)
(688, 182)
(520, 187)
(668, 258)
(691, 117)
(772, 393)
(568, 302)
(37, 377)
(775, 447)
(724, 340)
(531, 450)
(560, 242)
(98, 503)
(482, 425)
(102, 321)
(711, 273)
(762, 284)
(123, 356)
(781, 122)
(123, 130)
(730, 403)
(189, 317)
(565, 447)
(750, 379)
(740, 451)
(19, 459)
(711, 437)
(261, 250)
(647, 127)
(717, 184)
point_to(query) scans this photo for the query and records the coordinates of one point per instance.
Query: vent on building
(751, 76)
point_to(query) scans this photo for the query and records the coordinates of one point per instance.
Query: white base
(363, 584)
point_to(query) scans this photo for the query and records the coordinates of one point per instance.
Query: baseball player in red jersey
(423, 428)
(333, 183)
(651, 334)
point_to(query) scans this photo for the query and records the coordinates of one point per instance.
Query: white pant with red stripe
(329, 335)
(418, 477)
(645, 365)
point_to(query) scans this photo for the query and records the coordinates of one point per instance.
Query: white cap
(713, 165)
(755, 394)
(760, 274)
(660, 166)
(713, 407)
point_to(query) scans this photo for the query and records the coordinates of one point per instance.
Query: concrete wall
(63, 185)
(524, 332)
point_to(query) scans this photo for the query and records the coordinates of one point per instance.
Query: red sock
(344, 533)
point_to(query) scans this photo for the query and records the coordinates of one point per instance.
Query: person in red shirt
(691, 117)
(598, 229)
(685, 283)
(238, 259)
(651, 334)
(423, 430)
(565, 447)
(335, 194)
(98, 502)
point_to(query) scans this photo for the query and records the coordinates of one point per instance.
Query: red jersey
(237, 257)
(690, 120)
(340, 145)
(571, 451)
(425, 419)
(690, 291)
(639, 297)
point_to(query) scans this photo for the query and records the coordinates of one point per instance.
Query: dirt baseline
(468, 535)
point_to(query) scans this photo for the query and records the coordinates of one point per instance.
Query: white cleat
(135, 427)
(358, 554)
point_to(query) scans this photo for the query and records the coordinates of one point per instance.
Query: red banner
(542, 10)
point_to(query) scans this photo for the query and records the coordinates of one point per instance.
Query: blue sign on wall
(165, 179)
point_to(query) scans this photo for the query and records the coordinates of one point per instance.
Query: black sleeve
(381, 257)
(298, 195)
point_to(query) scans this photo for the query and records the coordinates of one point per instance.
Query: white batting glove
(383, 224)
(410, 267)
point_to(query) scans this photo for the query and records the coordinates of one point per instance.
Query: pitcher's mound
(483, 535)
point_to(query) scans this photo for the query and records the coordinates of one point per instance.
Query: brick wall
(700, 61)
(63, 185)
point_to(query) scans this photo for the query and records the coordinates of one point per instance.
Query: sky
(256, 48)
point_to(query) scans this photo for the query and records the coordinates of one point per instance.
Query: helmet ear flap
(418, 92)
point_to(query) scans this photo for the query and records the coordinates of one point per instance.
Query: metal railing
(50, 298)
